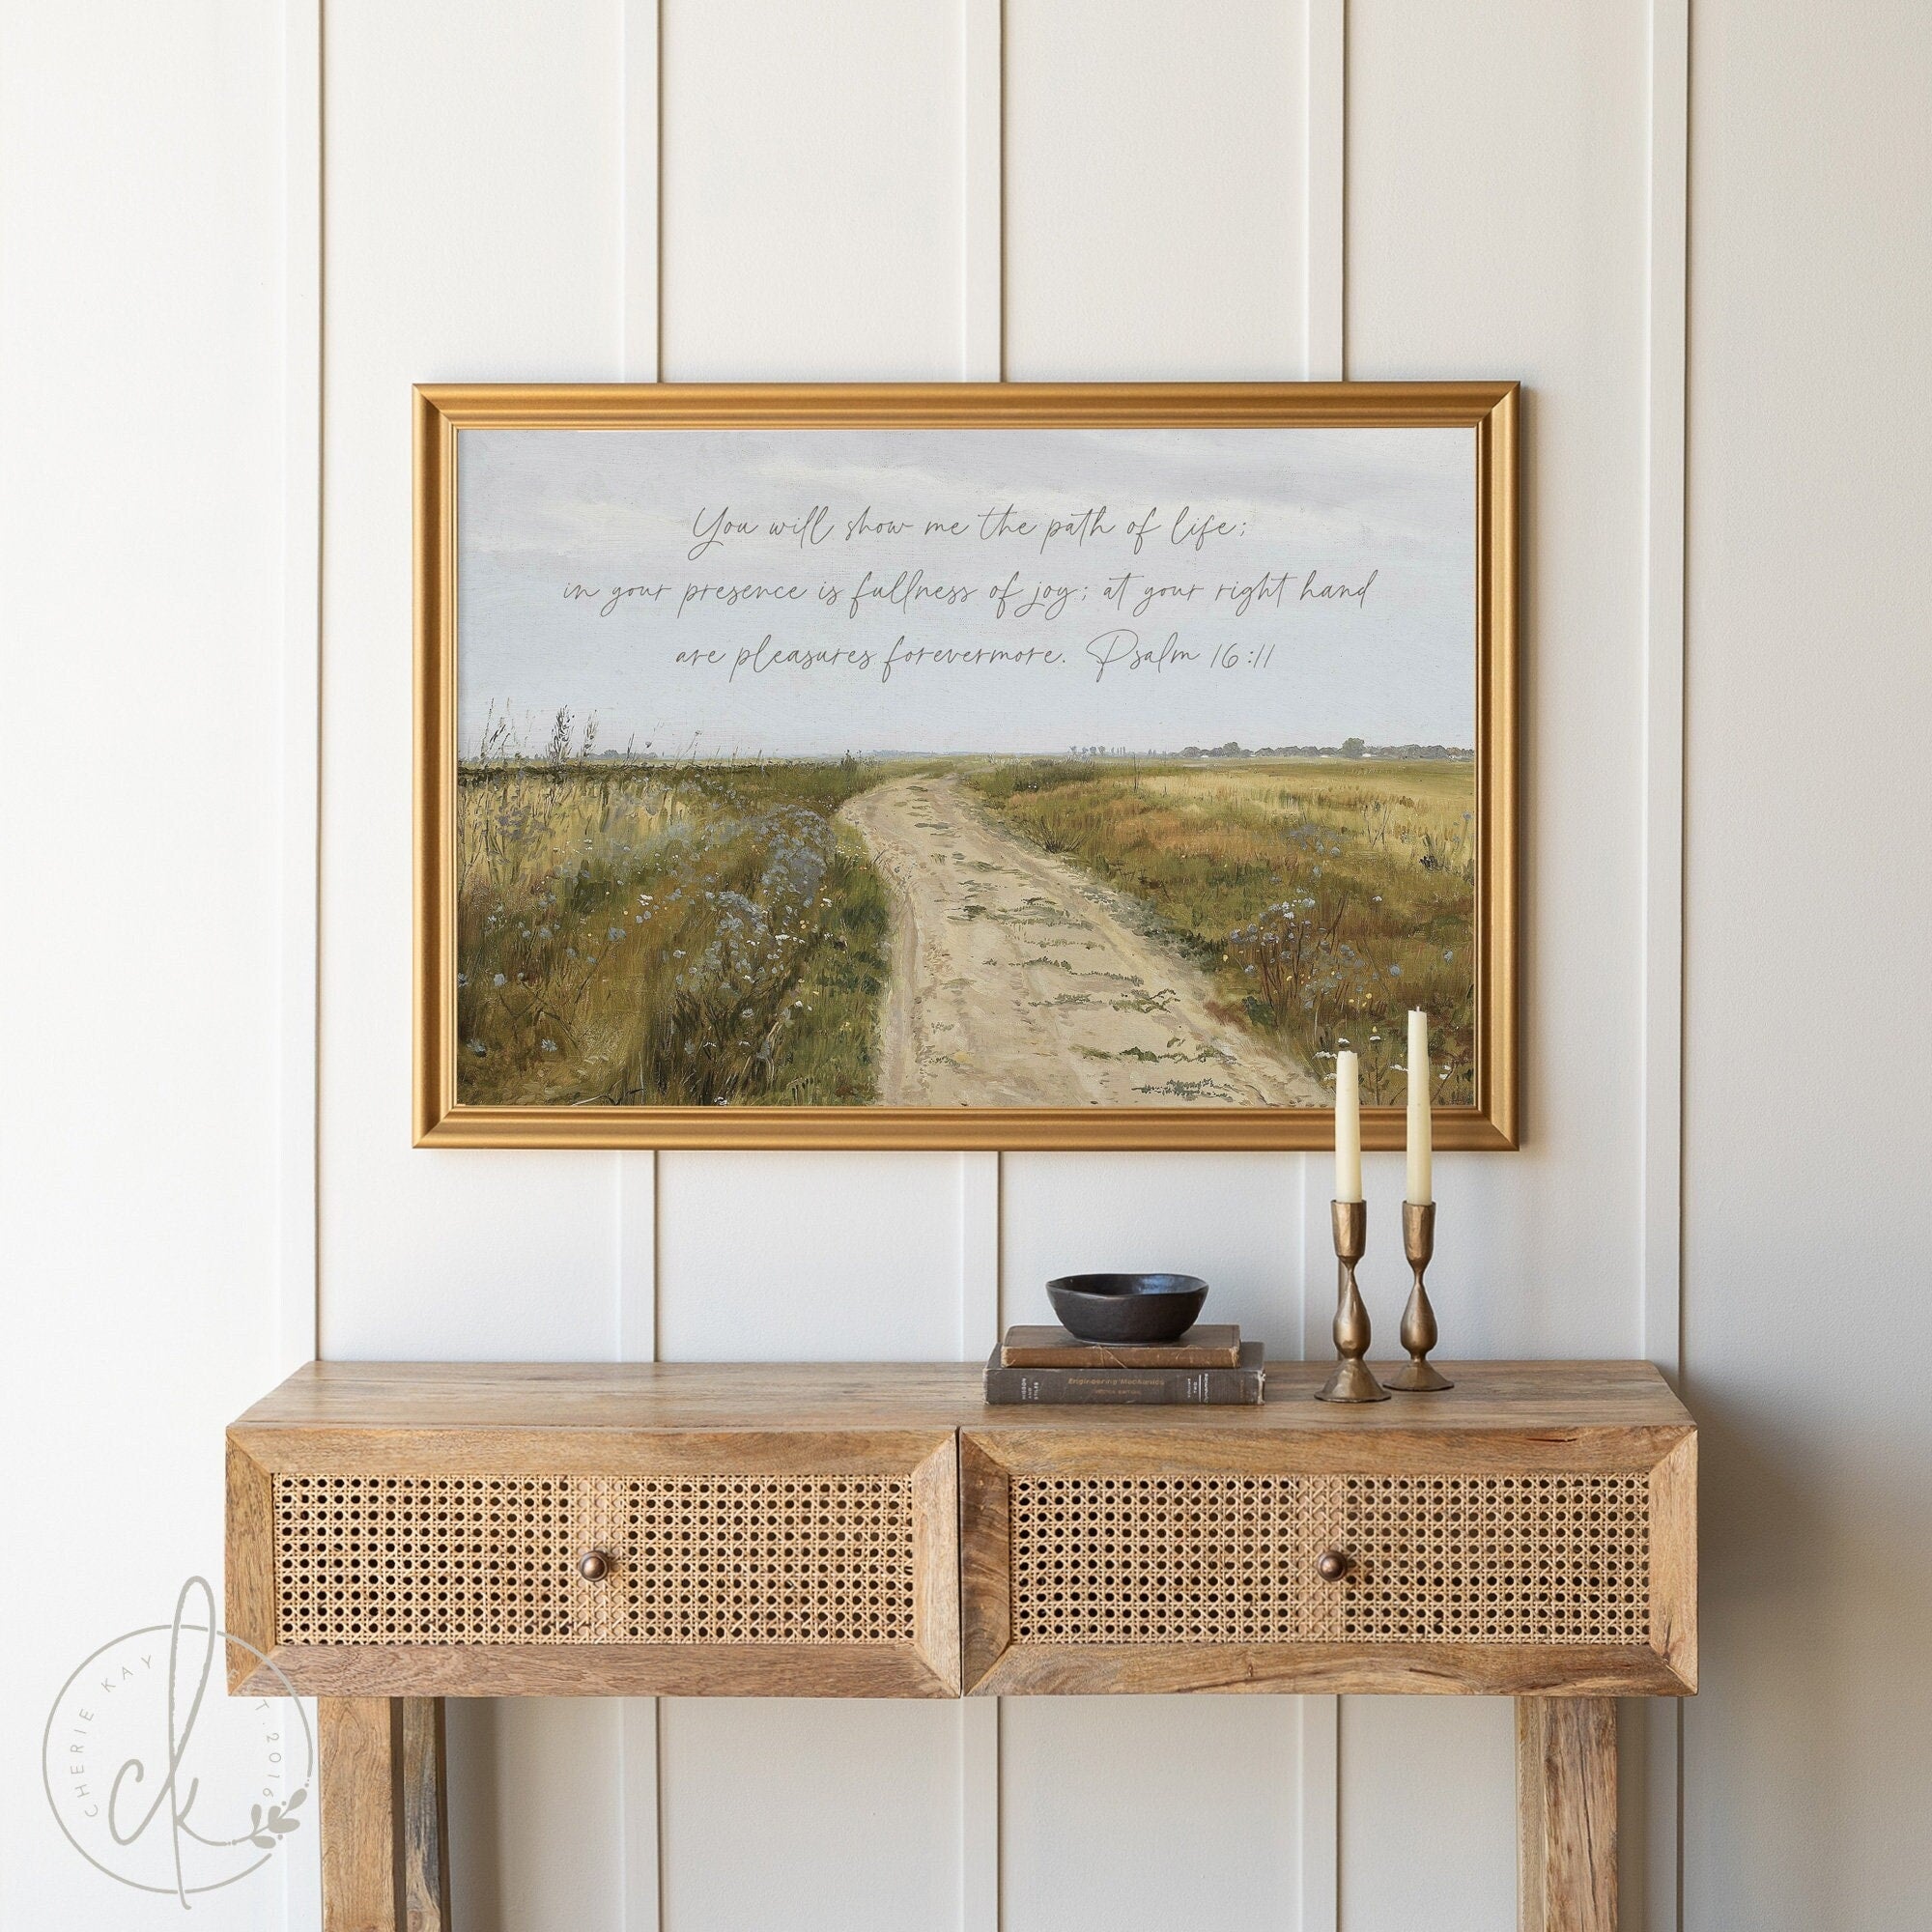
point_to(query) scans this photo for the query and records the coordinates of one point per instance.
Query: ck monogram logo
(159, 1780)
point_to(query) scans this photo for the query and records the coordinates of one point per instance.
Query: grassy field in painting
(1325, 897)
(648, 934)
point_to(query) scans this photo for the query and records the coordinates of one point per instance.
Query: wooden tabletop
(417, 1397)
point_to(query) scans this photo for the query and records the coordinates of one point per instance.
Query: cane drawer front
(418, 1558)
(792, 1566)
(1162, 1565)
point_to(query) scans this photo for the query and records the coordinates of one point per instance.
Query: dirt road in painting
(1020, 981)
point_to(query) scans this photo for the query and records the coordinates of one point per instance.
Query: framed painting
(971, 766)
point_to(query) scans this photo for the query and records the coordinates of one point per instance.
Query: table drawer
(1534, 1559)
(1140, 1572)
(756, 1574)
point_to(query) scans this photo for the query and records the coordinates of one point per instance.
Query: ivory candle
(1420, 1085)
(1347, 1127)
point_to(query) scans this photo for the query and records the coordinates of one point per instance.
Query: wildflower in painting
(747, 907)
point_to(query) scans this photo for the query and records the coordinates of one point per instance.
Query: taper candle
(1347, 1127)
(1420, 1085)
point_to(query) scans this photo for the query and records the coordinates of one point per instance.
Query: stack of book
(1208, 1365)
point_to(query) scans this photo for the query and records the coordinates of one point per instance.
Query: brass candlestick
(1418, 1319)
(1352, 1381)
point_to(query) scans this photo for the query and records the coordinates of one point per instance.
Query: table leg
(385, 1814)
(1566, 1783)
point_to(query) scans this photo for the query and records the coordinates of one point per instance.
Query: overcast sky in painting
(552, 523)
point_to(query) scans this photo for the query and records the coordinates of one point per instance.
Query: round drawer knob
(593, 1566)
(1331, 1566)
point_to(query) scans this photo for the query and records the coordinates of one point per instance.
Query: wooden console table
(399, 1533)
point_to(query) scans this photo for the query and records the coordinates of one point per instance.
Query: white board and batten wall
(820, 216)
(268, 224)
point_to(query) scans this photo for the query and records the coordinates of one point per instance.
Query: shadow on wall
(1815, 1622)
(526, 1847)
(475, 1814)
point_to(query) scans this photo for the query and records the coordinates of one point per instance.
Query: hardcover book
(1049, 1346)
(1172, 1387)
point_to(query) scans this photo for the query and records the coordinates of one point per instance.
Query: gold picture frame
(445, 412)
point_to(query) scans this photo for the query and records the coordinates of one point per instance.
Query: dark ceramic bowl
(1127, 1307)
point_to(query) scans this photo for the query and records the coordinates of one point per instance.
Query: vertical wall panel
(471, 232)
(812, 205)
(533, 1806)
(1135, 1815)
(1154, 210)
(813, 228)
(1427, 1814)
(1153, 193)
(1808, 1757)
(1497, 226)
(141, 601)
(807, 1814)
(472, 196)
(783, 1257)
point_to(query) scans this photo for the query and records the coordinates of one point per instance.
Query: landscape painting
(994, 779)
